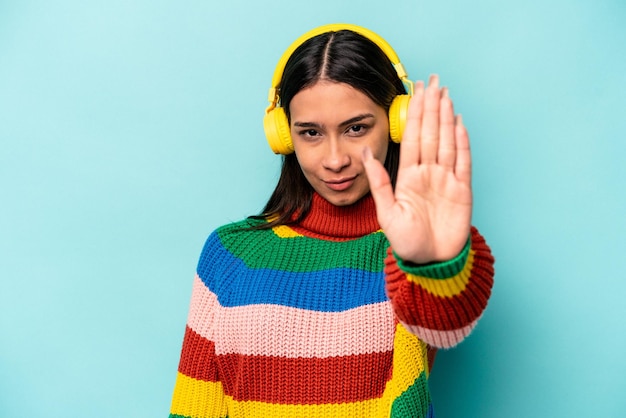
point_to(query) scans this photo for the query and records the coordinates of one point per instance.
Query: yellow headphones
(275, 121)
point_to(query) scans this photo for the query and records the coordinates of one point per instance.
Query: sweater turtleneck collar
(326, 220)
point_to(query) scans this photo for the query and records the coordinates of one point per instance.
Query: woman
(326, 304)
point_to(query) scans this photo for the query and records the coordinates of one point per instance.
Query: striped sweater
(320, 319)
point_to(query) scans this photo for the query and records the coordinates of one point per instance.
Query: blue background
(130, 129)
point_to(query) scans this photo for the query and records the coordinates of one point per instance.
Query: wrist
(436, 269)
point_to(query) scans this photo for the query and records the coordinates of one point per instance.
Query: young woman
(363, 260)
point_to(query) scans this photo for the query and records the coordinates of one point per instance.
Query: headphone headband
(334, 27)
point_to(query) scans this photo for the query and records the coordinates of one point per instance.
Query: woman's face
(331, 123)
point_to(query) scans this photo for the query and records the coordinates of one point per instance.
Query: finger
(447, 145)
(380, 184)
(429, 138)
(463, 165)
(410, 145)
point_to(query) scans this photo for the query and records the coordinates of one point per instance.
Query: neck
(326, 220)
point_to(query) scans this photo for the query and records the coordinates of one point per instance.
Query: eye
(308, 133)
(357, 130)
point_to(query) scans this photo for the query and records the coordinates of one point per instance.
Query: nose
(336, 157)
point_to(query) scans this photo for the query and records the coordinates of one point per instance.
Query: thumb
(380, 184)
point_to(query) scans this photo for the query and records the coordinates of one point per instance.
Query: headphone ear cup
(397, 116)
(277, 131)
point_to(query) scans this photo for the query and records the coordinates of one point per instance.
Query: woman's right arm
(198, 391)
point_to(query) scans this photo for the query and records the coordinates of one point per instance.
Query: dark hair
(344, 57)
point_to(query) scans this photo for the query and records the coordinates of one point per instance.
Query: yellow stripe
(409, 361)
(198, 398)
(371, 408)
(449, 287)
(284, 231)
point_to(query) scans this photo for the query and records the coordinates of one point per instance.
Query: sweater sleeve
(442, 302)
(198, 391)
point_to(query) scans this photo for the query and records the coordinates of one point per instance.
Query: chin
(343, 199)
(346, 202)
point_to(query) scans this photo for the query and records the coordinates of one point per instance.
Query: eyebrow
(350, 121)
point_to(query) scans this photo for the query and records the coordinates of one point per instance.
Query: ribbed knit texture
(320, 320)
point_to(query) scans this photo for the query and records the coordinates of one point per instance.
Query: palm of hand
(427, 218)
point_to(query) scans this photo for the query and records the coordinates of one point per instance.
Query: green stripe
(267, 250)
(443, 270)
(414, 402)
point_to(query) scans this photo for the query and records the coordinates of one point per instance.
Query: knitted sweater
(320, 319)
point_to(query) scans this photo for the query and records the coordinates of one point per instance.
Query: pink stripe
(441, 339)
(202, 310)
(249, 330)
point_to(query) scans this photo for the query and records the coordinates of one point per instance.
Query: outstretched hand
(427, 218)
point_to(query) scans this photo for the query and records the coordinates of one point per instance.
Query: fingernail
(367, 154)
(445, 92)
(434, 80)
(459, 120)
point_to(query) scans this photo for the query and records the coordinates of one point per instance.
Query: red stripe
(415, 306)
(282, 380)
(305, 380)
(197, 359)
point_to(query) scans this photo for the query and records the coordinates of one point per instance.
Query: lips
(340, 184)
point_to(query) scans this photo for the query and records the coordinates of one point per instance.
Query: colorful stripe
(287, 380)
(438, 270)
(242, 327)
(442, 309)
(198, 350)
(442, 339)
(448, 287)
(336, 289)
(306, 380)
(198, 398)
(410, 404)
(264, 249)
(283, 231)
(203, 310)
(416, 306)
(275, 387)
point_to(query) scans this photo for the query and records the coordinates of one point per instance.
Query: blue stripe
(334, 290)
(431, 411)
